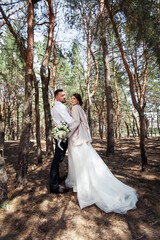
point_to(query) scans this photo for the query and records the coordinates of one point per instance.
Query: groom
(59, 113)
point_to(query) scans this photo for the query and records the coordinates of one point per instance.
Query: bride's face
(74, 100)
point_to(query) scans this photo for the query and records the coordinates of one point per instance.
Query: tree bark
(3, 173)
(100, 125)
(127, 126)
(138, 106)
(128, 115)
(45, 77)
(158, 119)
(147, 125)
(100, 109)
(87, 84)
(53, 85)
(39, 150)
(118, 128)
(134, 129)
(54, 65)
(158, 18)
(110, 130)
(137, 123)
(27, 112)
(142, 140)
(4, 112)
(23, 52)
(89, 30)
(17, 120)
(152, 118)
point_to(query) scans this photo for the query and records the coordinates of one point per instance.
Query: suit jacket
(79, 129)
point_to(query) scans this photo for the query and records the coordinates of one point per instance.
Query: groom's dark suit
(58, 158)
(59, 113)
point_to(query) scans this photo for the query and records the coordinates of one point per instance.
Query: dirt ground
(31, 213)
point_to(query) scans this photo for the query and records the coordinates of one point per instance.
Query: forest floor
(31, 213)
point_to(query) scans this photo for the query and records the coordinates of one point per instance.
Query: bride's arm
(76, 120)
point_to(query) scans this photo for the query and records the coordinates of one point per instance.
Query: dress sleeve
(76, 120)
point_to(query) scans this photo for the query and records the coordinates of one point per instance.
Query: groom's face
(61, 97)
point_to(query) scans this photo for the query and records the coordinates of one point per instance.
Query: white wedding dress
(94, 183)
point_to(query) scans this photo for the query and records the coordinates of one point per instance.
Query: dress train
(94, 183)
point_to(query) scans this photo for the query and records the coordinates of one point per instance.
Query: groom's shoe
(59, 190)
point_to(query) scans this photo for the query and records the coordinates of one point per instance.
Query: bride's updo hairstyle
(78, 96)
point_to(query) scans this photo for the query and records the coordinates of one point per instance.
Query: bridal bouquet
(60, 132)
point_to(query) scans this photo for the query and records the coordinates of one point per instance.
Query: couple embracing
(88, 175)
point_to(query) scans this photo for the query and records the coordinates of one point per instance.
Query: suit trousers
(58, 158)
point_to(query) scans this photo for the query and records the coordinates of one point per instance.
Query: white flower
(61, 131)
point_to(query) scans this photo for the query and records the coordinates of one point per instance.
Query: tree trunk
(110, 130)
(127, 126)
(87, 85)
(47, 114)
(151, 126)
(142, 140)
(23, 52)
(54, 65)
(8, 113)
(27, 112)
(118, 127)
(158, 119)
(147, 125)
(53, 85)
(128, 115)
(39, 150)
(100, 126)
(3, 173)
(89, 31)
(45, 81)
(136, 104)
(12, 130)
(134, 130)
(158, 18)
(17, 133)
(89, 118)
(13, 120)
(3, 106)
(137, 123)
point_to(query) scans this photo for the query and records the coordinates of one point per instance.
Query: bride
(88, 175)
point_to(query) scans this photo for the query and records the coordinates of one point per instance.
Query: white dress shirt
(60, 113)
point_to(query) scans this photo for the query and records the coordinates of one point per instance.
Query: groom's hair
(57, 91)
